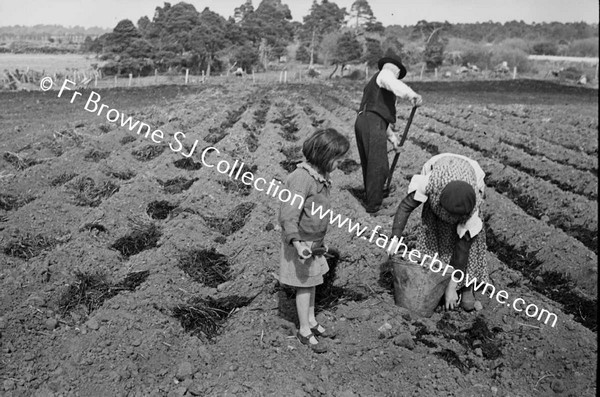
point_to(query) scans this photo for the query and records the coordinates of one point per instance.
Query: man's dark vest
(379, 100)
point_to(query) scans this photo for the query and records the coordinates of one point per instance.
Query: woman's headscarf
(451, 190)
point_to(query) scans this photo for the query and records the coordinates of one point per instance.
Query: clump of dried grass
(252, 142)
(260, 114)
(177, 185)
(187, 163)
(216, 134)
(122, 175)
(206, 266)
(62, 179)
(9, 202)
(293, 156)
(105, 128)
(160, 209)
(96, 155)
(69, 136)
(20, 163)
(127, 139)
(148, 152)
(29, 246)
(93, 226)
(85, 192)
(237, 186)
(234, 221)
(91, 290)
(205, 317)
(144, 236)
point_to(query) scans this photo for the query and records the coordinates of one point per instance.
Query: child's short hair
(323, 147)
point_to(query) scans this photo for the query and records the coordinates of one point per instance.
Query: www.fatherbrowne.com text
(274, 188)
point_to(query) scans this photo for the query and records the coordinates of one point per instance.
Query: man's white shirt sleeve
(387, 80)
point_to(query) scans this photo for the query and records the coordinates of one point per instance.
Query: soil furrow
(551, 130)
(566, 178)
(476, 123)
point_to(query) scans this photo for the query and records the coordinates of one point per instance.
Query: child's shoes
(305, 340)
(326, 333)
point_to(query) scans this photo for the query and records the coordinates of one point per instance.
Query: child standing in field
(303, 232)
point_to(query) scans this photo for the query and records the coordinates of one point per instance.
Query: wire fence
(297, 73)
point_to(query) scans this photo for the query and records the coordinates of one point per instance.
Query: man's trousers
(371, 139)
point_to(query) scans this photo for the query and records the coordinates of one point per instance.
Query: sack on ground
(417, 288)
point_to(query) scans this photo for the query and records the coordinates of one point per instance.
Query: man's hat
(395, 61)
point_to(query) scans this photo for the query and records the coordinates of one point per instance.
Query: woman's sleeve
(290, 212)
(460, 256)
(480, 175)
(406, 207)
(418, 184)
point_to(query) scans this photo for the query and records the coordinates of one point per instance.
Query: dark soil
(160, 209)
(143, 237)
(187, 164)
(97, 300)
(177, 185)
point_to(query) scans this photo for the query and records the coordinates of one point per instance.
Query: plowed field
(129, 267)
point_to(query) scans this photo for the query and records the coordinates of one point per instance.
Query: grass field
(48, 63)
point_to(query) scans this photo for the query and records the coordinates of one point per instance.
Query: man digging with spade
(378, 112)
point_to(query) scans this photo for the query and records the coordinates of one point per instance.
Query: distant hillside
(20, 32)
(46, 38)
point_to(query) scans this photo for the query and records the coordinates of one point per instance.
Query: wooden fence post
(367, 72)
(155, 76)
(515, 73)
(422, 70)
(436, 73)
(95, 79)
(253, 80)
(130, 78)
(187, 73)
(203, 76)
(285, 76)
(115, 80)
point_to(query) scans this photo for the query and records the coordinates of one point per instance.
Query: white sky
(107, 13)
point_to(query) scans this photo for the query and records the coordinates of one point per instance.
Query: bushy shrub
(373, 51)
(516, 43)
(355, 75)
(303, 54)
(460, 45)
(411, 53)
(246, 56)
(478, 55)
(570, 73)
(514, 57)
(545, 48)
(142, 67)
(582, 48)
(313, 73)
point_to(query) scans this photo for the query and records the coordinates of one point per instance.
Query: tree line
(179, 36)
